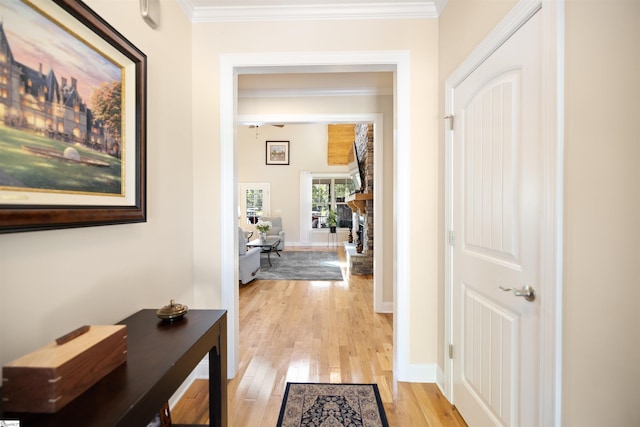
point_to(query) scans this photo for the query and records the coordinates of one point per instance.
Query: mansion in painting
(35, 101)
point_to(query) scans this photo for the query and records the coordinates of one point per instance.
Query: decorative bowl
(172, 312)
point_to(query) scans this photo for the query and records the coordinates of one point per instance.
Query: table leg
(218, 379)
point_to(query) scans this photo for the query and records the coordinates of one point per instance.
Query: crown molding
(187, 7)
(440, 5)
(418, 9)
(298, 93)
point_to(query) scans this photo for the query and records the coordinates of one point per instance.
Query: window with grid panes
(330, 194)
(254, 199)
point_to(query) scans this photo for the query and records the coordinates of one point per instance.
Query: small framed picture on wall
(277, 152)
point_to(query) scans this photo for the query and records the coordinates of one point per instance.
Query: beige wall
(419, 37)
(602, 214)
(54, 281)
(601, 340)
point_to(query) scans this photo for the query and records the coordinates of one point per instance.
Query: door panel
(491, 169)
(496, 212)
(491, 353)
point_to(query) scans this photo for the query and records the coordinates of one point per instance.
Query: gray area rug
(299, 265)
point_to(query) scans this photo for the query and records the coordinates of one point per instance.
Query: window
(254, 211)
(253, 201)
(330, 194)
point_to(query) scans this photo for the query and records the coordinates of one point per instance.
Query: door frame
(233, 64)
(552, 136)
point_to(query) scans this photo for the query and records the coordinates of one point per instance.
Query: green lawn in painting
(43, 172)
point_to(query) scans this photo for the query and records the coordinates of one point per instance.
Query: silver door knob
(527, 292)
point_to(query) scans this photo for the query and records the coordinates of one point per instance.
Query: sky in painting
(35, 41)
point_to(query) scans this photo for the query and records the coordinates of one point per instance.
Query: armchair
(276, 229)
(248, 260)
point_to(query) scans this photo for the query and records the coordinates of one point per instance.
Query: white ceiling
(283, 10)
(370, 83)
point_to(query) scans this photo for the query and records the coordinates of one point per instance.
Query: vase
(263, 237)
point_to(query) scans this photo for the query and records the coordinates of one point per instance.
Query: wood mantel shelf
(358, 201)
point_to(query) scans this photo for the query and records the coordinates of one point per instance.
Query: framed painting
(277, 152)
(72, 119)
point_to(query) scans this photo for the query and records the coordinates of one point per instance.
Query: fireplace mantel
(358, 202)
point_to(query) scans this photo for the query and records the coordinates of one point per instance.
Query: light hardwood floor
(327, 332)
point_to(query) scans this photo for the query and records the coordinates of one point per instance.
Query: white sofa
(276, 229)
(248, 260)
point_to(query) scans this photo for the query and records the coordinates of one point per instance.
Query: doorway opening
(398, 62)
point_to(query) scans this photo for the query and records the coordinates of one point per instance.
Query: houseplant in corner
(263, 227)
(332, 221)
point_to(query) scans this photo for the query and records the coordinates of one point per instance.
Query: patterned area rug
(332, 405)
(300, 265)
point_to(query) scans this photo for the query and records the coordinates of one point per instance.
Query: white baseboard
(386, 307)
(200, 372)
(440, 382)
(440, 377)
(422, 373)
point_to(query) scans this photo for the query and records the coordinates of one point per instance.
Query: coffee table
(268, 246)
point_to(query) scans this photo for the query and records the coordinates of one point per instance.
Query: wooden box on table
(52, 376)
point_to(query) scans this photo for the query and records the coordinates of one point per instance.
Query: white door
(496, 210)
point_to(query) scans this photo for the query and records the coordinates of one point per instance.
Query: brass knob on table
(172, 312)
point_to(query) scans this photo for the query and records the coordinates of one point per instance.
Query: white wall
(601, 340)
(54, 281)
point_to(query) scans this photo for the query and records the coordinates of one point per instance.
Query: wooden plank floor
(327, 332)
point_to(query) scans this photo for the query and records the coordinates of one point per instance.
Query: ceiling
(311, 84)
(308, 84)
(283, 10)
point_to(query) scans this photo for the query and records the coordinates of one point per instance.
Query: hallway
(325, 332)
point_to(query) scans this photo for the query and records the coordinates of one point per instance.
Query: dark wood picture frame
(17, 217)
(277, 153)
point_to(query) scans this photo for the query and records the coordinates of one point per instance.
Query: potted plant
(332, 221)
(263, 227)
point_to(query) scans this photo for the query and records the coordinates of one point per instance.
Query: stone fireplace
(360, 254)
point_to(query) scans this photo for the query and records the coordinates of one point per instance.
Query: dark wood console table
(160, 356)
